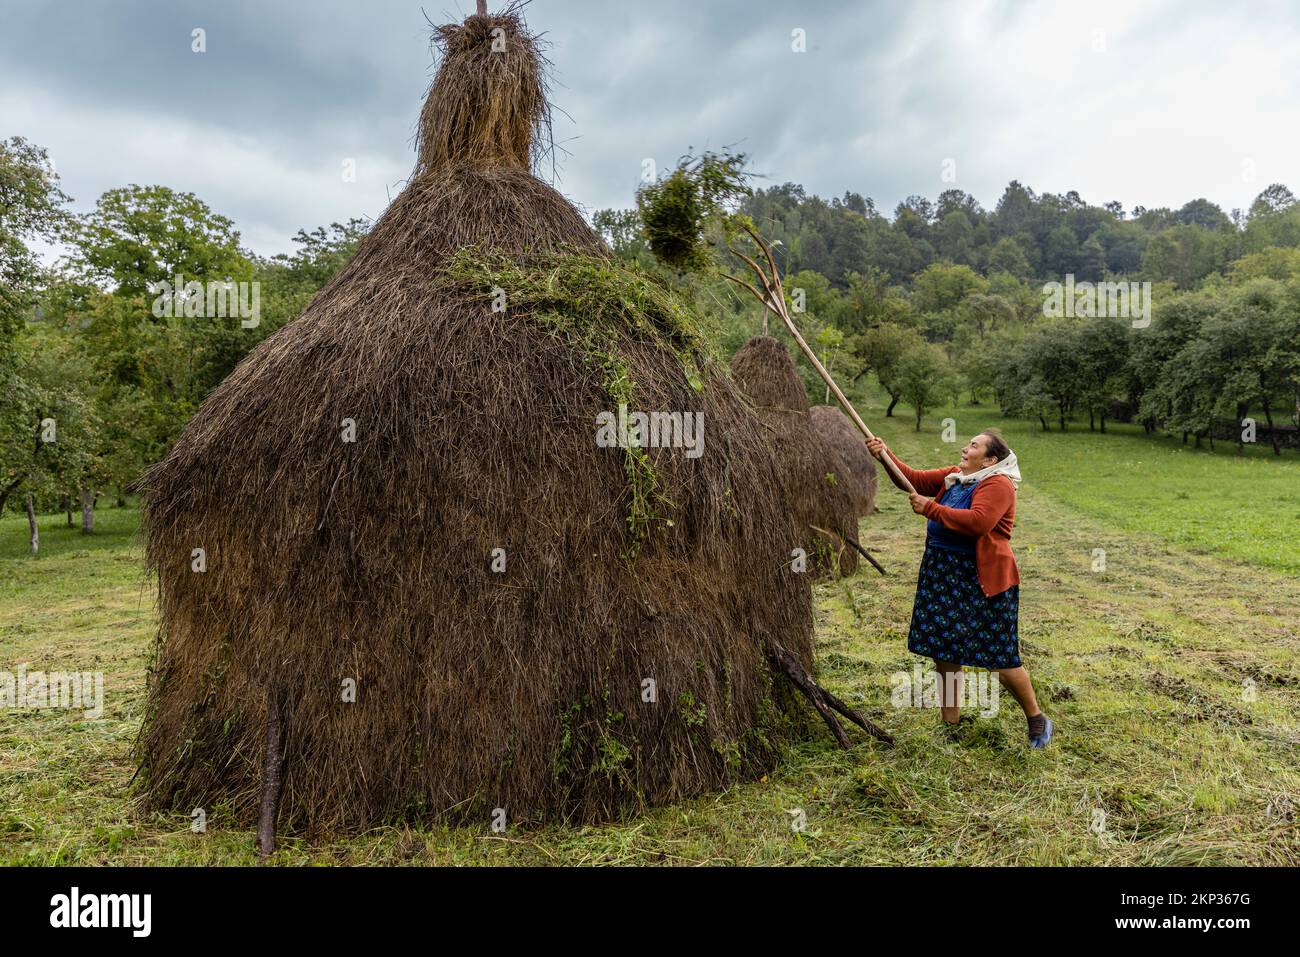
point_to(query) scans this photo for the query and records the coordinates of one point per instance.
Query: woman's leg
(1016, 680)
(950, 689)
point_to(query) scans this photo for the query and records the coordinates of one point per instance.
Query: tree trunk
(918, 418)
(1092, 421)
(4, 492)
(87, 511)
(893, 401)
(31, 524)
(1272, 432)
(67, 506)
(1103, 424)
(1060, 409)
(1043, 421)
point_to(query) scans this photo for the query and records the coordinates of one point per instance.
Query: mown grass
(1172, 676)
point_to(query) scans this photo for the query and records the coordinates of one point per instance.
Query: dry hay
(810, 468)
(859, 466)
(369, 564)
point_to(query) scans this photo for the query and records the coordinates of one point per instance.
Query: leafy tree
(943, 286)
(138, 236)
(881, 350)
(1008, 256)
(1183, 254)
(624, 232)
(31, 208)
(1102, 359)
(925, 379)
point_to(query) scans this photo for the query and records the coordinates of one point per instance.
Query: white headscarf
(1007, 467)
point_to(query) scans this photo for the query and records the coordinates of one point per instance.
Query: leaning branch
(821, 699)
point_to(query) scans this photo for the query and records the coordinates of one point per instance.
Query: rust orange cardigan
(989, 519)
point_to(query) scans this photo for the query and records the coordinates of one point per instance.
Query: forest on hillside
(947, 298)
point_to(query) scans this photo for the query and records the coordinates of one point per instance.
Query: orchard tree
(925, 379)
(31, 208)
(1102, 345)
(881, 350)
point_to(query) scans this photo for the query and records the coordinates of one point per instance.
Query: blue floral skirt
(953, 620)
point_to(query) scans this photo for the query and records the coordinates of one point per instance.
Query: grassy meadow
(1171, 674)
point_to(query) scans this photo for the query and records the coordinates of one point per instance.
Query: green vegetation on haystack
(591, 304)
(1161, 757)
(585, 298)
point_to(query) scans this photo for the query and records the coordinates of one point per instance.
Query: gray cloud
(1153, 104)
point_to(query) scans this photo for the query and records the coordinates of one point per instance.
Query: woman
(968, 592)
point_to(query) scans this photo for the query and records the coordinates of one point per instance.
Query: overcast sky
(1148, 103)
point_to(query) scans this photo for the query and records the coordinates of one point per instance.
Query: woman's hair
(995, 445)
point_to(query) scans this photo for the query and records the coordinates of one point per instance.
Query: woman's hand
(876, 447)
(919, 502)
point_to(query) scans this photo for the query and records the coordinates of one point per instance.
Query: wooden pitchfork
(773, 297)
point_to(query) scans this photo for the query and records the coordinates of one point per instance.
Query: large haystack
(859, 473)
(352, 479)
(810, 468)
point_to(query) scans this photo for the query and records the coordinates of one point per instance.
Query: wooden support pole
(821, 699)
(272, 775)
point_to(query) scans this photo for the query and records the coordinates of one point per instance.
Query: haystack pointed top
(487, 104)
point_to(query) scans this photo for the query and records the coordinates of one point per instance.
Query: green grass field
(1172, 676)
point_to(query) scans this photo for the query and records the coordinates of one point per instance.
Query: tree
(1008, 256)
(1203, 213)
(1102, 344)
(983, 312)
(623, 230)
(50, 432)
(880, 350)
(943, 286)
(1183, 254)
(925, 379)
(1046, 374)
(1274, 199)
(1152, 352)
(1061, 252)
(138, 236)
(31, 208)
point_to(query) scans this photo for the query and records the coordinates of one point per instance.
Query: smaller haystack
(837, 431)
(816, 479)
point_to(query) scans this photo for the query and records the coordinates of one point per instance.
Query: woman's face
(975, 455)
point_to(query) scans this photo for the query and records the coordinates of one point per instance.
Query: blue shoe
(1040, 741)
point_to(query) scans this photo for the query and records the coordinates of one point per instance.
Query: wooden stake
(773, 297)
(272, 776)
(821, 699)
